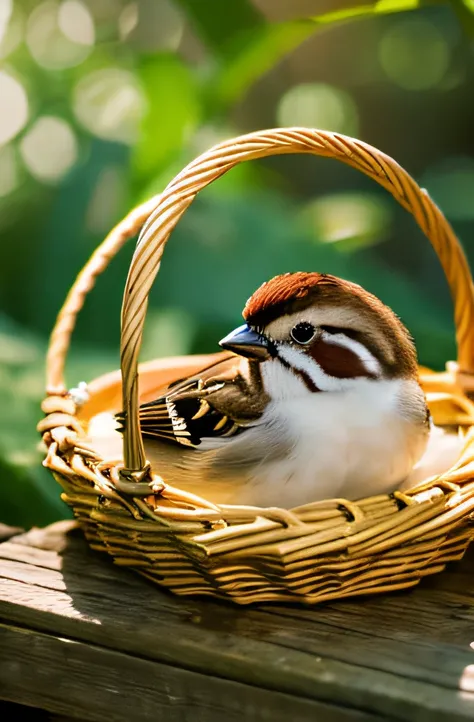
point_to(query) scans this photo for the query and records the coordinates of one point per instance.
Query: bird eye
(303, 332)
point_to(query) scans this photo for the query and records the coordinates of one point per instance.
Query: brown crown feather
(288, 287)
(290, 292)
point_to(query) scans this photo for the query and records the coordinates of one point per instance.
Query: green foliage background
(197, 71)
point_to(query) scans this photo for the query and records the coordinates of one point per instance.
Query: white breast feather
(350, 444)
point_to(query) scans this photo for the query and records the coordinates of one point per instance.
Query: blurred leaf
(28, 492)
(173, 112)
(464, 10)
(24, 497)
(66, 244)
(218, 22)
(249, 47)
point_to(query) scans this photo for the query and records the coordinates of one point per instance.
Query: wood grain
(399, 657)
(93, 683)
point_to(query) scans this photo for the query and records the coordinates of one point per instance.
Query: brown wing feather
(212, 403)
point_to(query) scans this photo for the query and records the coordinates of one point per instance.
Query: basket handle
(60, 338)
(180, 193)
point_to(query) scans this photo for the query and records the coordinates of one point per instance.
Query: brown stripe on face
(306, 379)
(338, 361)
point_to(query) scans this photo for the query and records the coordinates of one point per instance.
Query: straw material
(321, 551)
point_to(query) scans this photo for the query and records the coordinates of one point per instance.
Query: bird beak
(246, 342)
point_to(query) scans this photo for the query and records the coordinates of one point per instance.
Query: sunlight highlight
(466, 681)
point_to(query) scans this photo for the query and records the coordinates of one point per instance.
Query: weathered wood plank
(402, 656)
(97, 684)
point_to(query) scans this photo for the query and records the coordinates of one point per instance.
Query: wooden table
(81, 638)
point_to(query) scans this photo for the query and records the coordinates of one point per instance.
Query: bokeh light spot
(128, 20)
(110, 104)
(13, 107)
(8, 170)
(48, 43)
(159, 26)
(107, 199)
(414, 54)
(76, 22)
(49, 149)
(11, 34)
(169, 332)
(350, 219)
(6, 7)
(451, 183)
(317, 105)
(209, 134)
(105, 11)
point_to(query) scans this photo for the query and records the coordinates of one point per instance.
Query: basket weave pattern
(317, 552)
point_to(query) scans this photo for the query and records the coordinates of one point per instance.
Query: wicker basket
(321, 551)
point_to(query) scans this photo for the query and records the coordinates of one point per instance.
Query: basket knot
(60, 424)
(58, 404)
(57, 420)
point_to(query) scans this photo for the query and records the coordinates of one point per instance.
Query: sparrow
(315, 397)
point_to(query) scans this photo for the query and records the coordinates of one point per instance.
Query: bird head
(329, 333)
